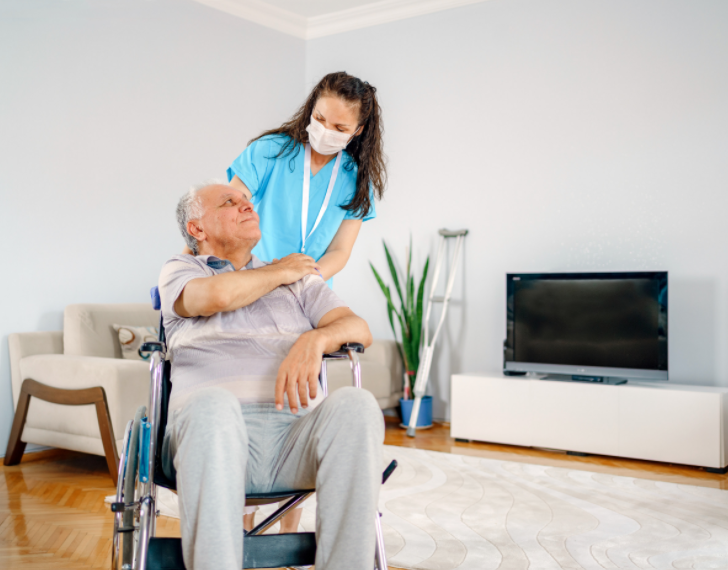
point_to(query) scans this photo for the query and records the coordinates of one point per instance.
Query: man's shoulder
(184, 258)
(256, 262)
(314, 285)
(184, 263)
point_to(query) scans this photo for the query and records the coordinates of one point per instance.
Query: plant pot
(424, 419)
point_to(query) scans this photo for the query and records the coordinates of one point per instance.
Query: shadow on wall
(692, 330)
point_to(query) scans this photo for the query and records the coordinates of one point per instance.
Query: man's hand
(294, 267)
(299, 372)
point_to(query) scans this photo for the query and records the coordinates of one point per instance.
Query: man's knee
(356, 407)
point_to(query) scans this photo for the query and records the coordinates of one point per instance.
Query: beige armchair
(72, 389)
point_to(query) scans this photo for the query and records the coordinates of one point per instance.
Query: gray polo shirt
(238, 350)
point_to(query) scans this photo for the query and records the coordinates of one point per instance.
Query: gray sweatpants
(220, 449)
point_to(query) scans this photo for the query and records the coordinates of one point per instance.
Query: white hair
(189, 208)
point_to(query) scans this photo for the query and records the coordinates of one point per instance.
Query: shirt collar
(218, 264)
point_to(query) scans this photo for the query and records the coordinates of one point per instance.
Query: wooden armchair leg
(16, 446)
(107, 436)
(81, 397)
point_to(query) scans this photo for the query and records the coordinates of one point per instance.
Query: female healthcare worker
(312, 195)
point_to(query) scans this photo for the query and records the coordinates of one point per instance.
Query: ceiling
(309, 19)
(312, 8)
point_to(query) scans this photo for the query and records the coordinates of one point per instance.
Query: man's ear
(195, 230)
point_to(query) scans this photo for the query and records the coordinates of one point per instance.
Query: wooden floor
(52, 511)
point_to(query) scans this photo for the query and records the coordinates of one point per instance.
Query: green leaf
(420, 299)
(408, 292)
(411, 296)
(409, 258)
(387, 295)
(395, 276)
(409, 314)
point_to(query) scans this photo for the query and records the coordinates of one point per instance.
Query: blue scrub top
(277, 188)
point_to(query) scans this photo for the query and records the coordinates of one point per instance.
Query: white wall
(109, 110)
(567, 136)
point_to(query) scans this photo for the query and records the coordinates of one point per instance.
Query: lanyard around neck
(306, 186)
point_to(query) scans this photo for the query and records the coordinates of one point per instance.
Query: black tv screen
(606, 324)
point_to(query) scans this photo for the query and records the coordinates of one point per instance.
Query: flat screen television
(591, 326)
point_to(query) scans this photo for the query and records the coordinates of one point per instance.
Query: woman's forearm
(339, 250)
(332, 262)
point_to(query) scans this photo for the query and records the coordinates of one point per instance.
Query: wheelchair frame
(135, 545)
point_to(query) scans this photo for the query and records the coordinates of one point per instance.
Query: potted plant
(408, 317)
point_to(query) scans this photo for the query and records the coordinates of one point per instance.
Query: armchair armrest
(30, 344)
(125, 382)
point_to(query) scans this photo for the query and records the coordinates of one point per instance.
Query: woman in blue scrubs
(313, 180)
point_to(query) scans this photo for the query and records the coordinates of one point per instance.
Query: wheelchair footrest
(259, 551)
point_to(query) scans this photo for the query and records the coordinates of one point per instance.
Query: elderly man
(246, 340)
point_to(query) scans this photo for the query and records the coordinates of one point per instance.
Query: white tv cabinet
(641, 420)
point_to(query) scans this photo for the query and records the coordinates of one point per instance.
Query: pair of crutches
(428, 344)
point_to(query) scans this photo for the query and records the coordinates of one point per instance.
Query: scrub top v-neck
(276, 184)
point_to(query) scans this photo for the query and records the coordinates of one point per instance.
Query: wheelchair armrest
(343, 352)
(151, 347)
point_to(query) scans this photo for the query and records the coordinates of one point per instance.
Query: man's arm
(299, 372)
(229, 291)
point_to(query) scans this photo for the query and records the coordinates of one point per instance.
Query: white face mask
(326, 141)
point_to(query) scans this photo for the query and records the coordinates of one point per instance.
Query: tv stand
(654, 421)
(612, 381)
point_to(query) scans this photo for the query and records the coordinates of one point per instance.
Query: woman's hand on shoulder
(294, 267)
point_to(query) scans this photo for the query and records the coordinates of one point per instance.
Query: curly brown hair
(365, 149)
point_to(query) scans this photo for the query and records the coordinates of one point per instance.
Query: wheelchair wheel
(126, 508)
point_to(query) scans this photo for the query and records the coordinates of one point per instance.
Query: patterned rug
(443, 511)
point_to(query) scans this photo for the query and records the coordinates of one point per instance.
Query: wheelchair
(135, 546)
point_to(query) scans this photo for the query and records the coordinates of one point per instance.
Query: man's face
(228, 218)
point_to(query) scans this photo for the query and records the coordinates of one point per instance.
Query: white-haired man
(246, 339)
